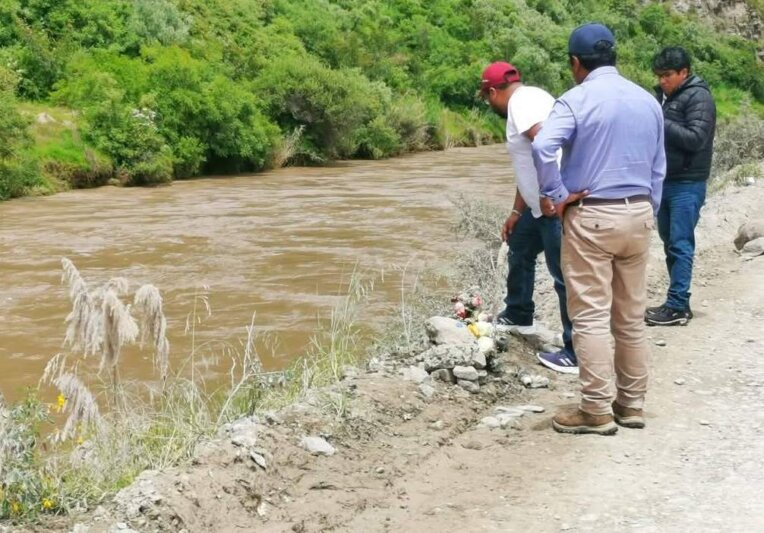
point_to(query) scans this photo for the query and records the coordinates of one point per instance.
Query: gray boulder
(748, 232)
(467, 373)
(469, 386)
(443, 374)
(443, 330)
(317, 446)
(754, 248)
(449, 356)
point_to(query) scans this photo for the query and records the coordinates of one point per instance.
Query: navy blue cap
(583, 39)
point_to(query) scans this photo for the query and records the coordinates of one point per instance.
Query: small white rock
(466, 373)
(469, 386)
(415, 374)
(749, 180)
(531, 408)
(704, 422)
(510, 411)
(660, 342)
(317, 446)
(680, 381)
(258, 459)
(490, 422)
(427, 391)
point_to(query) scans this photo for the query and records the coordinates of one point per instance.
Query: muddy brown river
(280, 244)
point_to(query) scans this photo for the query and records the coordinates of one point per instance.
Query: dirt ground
(409, 463)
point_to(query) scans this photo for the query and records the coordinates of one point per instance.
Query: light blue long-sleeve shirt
(611, 134)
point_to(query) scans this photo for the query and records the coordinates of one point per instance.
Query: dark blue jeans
(529, 238)
(677, 218)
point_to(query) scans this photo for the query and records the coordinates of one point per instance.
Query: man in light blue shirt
(606, 192)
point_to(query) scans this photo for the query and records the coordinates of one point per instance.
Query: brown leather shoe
(628, 417)
(577, 421)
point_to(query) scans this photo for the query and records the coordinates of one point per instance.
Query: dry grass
(106, 430)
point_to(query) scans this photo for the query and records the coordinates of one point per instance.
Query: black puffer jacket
(690, 115)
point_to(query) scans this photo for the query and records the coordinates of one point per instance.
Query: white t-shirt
(527, 107)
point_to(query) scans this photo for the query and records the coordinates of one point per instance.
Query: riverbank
(404, 457)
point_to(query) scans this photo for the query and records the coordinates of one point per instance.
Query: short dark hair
(671, 58)
(605, 56)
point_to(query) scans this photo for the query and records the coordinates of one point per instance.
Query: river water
(279, 244)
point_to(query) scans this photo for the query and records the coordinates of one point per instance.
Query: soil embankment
(407, 462)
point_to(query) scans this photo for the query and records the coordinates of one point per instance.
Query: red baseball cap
(498, 73)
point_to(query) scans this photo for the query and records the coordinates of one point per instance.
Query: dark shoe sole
(605, 429)
(633, 422)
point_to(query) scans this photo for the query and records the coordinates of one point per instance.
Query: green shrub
(333, 105)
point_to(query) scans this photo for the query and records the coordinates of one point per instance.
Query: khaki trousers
(604, 260)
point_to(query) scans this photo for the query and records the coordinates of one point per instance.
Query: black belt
(612, 201)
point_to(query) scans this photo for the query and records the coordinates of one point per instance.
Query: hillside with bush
(146, 91)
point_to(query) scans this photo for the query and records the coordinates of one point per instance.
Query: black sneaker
(659, 309)
(665, 316)
(504, 324)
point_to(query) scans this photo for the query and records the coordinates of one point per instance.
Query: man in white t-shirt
(527, 231)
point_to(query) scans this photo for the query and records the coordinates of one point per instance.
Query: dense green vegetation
(156, 90)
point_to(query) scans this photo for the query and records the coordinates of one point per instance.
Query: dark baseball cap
(496, 74)
(584, 38)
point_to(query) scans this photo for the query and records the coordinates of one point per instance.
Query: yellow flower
(15, 507)
(474, 330)
(47, 503)
(60, 401)
(80, 440)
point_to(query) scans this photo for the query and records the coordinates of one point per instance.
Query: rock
(140, 497)
(510, 411)
(80, 528)
(754, 248)
(374, 365)
(438, 425)
(479, 360)
(496, 365)
(317, 446)
(482, 377)
(449, 356)
(44, 118)
(487, 347)
(259, 459)
(490, 422)
(680, 381)
(415, 374)
(507, 420)
(245, 440)
(704, 422)
(531, 408)
(443, 374)
(660, 342)
(469, 386)
(466, 373)
(748, 232)
(273, 418)
(534, 381)
(427, 391)
(749, 180)
(443, 330)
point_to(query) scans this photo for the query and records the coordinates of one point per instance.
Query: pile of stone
(457, 355)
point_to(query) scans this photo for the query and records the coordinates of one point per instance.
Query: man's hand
(509, 226)
(549, 209)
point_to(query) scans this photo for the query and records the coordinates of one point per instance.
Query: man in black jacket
(690, 120)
